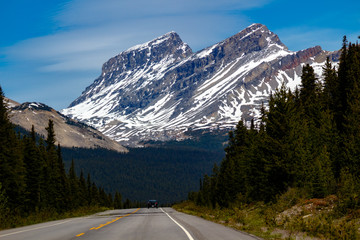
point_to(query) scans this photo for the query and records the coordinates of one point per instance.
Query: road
(128, 224)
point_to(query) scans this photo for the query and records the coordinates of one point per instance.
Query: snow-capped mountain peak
(160, 89)
(157, 41)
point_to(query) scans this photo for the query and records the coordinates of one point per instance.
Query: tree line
(33, 177)
(165, 172)
(307, 139)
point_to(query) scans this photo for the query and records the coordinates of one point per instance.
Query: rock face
(160, 89)
(69, 133)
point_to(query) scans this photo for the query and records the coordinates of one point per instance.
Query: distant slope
(69, 132)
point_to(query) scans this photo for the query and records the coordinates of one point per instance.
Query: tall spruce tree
(33, 167)
(54, 186)
(74, 188)
(351, 130)
(118, 204)
(12, 170)
(277, 145)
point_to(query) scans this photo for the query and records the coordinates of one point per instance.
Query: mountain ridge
(69, 133)
(160, 89)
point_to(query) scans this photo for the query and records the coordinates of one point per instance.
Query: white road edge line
(186, 232)
(27, 230)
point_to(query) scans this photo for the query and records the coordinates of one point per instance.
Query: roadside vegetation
(282, 219)
(298, 168)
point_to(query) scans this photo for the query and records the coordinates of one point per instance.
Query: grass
(247, 218)
(291, 217)
(15, 220)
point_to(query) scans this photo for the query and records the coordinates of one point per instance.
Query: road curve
(128, 224)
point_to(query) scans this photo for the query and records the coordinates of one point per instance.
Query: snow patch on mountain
(160, 89)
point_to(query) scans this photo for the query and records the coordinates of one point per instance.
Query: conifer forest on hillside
(305, 146)
(33, 180)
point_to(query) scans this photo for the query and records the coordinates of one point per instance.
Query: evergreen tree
(3, 205)
(74, 189)
(343, 87)
(12, 171)
(227, 188)
(322, 183)
(118, 201)
(95, 195)
(90, 195)
(308, 85)
(127, 203)
(83, 191)
(64, 188)
(214, 186)
(54, 187)
(276, 142)
(50, 140)
(331, 98)
(33, 167)
(256, 181)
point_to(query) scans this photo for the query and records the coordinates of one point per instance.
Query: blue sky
(50, 51)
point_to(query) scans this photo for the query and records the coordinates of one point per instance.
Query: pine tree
(54, 186)
(12, 170)
(111, 200)
(50, 140)
(118, 204)
(33, 167)
(83, 191)
(214, 186)
(322, 183)
(331, 98)
(351, 130)
(3, 205)
(308, 85)
(88, 185)
(74, 189)
(95, 195)
(256, 184)
(343, 87)
(64, 188)
(276, 143)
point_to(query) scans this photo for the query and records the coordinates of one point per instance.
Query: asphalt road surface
(128, 224)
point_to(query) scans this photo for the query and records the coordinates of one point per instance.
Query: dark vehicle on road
(152, 203)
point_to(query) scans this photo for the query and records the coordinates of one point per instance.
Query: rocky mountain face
(69, 132)
(160, 89)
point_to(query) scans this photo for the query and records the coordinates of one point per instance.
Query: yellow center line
(105, 224)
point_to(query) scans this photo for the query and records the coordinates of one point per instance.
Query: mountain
(69, 132)
(161, 89)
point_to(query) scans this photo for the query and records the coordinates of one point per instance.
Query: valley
(174, 106)
(243, 122)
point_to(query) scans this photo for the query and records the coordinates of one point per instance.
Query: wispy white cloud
(93, 31)
(95, 11)
(88, 32)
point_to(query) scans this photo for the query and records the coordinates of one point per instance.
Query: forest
(40, 180)
(33, 181)
(307, 139)
(162, 171)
